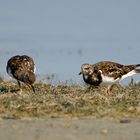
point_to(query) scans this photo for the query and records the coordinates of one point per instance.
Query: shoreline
(71, 129)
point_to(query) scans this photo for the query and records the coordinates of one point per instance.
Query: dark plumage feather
(22, 69)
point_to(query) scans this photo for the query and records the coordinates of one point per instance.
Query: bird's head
(86, 69)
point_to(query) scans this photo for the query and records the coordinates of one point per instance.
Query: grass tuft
(70, 101)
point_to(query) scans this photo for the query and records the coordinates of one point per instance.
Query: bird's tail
(132, 69)
(138, 65)
(137, 70)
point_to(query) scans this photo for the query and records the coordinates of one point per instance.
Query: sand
(67, 129)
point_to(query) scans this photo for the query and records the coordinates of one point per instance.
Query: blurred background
(63, 34)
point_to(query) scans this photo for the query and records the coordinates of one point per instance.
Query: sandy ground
(62, 129)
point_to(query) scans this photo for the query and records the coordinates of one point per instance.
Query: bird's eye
(86, 68)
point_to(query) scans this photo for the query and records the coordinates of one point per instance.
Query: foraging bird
(22, 68)
(106, 72)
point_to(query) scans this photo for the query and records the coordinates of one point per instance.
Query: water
(62, 35)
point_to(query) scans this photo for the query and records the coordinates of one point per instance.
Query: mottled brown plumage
(107, 72)
(112, 69)
(22, 69)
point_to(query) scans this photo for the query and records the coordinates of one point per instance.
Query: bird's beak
(80, 73)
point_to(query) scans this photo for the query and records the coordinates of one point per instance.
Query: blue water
(62, 35)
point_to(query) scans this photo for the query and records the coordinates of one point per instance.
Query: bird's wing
(109, 69)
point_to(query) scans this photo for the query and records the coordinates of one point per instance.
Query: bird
(107, 73)
(22, 68)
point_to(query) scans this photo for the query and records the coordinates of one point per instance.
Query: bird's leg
(109, 89)
(20, 91)
(19, 84)
(31, 87)
(109, 92)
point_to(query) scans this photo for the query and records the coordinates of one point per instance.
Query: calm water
(62, 35)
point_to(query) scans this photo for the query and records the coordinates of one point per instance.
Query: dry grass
(70, 101)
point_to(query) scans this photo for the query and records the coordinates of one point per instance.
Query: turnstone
(22, 68)
(106, 72)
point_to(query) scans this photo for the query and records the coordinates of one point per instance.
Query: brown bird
(22, 68)
(106, 72)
